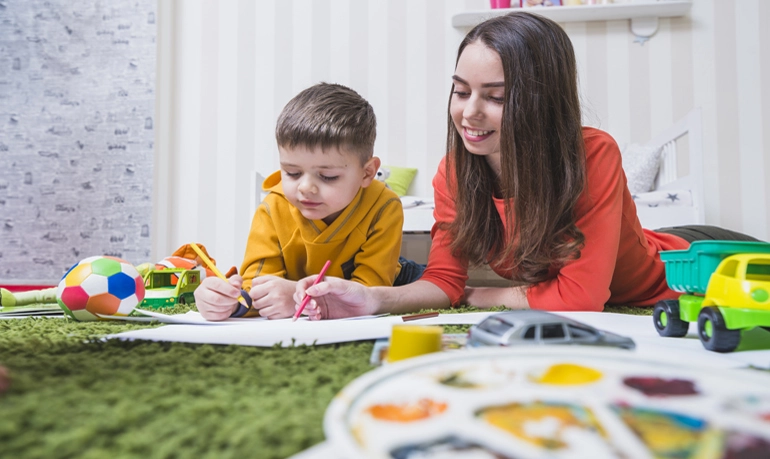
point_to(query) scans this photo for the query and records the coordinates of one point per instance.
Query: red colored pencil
(307, 297)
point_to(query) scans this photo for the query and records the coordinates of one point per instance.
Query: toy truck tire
(667, 321)
(713, 333)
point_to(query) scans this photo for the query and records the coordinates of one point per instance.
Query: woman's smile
(476, 135)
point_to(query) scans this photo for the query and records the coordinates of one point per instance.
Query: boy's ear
(370, 171)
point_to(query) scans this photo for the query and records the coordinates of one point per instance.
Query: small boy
(324, 204)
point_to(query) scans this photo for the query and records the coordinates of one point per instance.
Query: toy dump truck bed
(689, 270)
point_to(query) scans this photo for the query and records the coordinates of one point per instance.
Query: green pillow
(400, 178)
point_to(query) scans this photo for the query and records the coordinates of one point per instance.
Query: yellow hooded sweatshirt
(363, 243)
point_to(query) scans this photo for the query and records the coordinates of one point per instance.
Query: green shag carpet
(73, 395)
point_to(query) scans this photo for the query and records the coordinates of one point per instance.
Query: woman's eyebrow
(459, 80)
(496, 84)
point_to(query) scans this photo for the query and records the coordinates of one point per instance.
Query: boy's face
(322, 183)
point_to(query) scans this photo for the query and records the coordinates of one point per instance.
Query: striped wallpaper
(227, 67)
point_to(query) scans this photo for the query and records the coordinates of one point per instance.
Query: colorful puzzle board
(550, 402)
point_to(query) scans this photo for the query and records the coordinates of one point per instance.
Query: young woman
(526, 189)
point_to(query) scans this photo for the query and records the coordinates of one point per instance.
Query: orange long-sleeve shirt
(619, 263)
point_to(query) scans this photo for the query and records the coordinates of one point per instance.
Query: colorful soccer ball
(100, 285)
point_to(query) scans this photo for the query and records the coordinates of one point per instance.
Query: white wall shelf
(643, 14)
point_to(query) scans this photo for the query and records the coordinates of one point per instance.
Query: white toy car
(525, 327)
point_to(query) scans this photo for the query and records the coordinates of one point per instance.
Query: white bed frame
(670, 177)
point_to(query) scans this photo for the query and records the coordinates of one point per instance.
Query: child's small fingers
(222, 315)
(312, 307)
(219, 286)
(258, 292)
(213, 313)
(260, 280)
(313, 310)
(212, 298)
(236, 281)
(204, 296)
(264, 311)
(319, 289)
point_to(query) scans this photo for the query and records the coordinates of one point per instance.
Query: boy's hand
(272, 296)
(217, 299)
(334, 298)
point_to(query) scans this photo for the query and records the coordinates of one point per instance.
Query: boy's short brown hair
(330, 116)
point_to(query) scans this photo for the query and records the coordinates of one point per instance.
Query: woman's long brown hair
(542, 156)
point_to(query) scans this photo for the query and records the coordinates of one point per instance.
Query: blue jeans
(410, 272)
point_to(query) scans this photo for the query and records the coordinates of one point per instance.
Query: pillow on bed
(641, 164)
(400, 178)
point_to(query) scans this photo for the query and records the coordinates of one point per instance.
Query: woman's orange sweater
(619, 263)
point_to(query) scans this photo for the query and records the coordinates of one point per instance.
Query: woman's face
(477, 101)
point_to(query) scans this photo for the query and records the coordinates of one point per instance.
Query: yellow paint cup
(412, 340)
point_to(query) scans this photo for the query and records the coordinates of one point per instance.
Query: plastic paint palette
(555, 402)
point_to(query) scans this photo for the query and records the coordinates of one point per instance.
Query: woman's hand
(273, 296)
(217, 299)
(489, 297)
(335, 298)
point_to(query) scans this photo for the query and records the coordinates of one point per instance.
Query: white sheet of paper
(34, 314)
(144, 319)
(267, 333)
(195, 318)
(150, 316)
(22, 312)
(465, 318)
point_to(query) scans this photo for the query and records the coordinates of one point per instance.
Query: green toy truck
(167, 287)
(726, 287)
